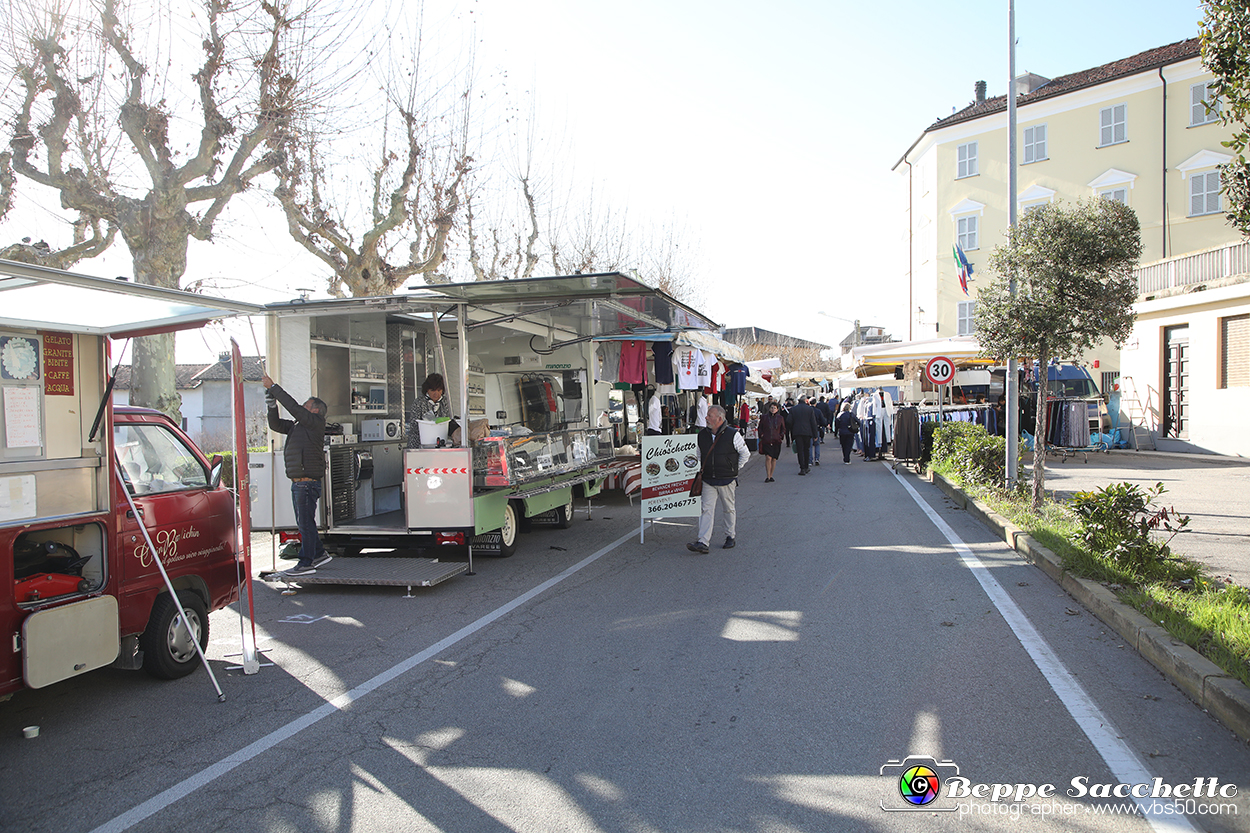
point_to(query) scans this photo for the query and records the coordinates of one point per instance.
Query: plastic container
(430, 432)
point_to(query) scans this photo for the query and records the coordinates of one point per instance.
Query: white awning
(35, 297)
(959, 349)
(705, 341)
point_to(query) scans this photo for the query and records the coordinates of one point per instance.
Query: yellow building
(1134, 130)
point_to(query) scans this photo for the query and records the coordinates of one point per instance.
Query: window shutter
(1213, 192)
(1119, 119)
(1104, 118)
(1039, 142)
(1197, 196)
(1028, 145)
(1197, 112)
(1235, 351)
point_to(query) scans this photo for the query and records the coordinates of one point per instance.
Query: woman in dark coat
(772, 433)
(847, 426)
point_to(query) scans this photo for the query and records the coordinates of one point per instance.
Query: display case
(476, 388)
(509, 461)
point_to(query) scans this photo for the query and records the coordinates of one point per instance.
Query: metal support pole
(1012, 391)
(169, 585)
(462, 337)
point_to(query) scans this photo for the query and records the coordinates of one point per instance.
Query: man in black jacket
(804, 426)
(305, 460)
(724, 453)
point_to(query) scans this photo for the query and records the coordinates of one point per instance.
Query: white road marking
(1121, 760)
(211, 773)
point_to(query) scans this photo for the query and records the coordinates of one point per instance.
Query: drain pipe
(1164, 224)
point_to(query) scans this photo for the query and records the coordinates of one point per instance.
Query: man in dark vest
(724, 452)
(305, 458)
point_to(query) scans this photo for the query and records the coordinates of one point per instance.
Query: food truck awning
(959, 349)
(563, 308)
(37, 297)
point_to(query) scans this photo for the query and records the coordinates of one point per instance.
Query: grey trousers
(707, 518)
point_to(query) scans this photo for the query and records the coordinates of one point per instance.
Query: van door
(191, 525)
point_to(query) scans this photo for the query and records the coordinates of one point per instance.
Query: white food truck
(518, 358)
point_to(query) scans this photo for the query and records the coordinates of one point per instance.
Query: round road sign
(940, 370)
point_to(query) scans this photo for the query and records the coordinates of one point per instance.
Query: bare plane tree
(108, 127)
(414, 184)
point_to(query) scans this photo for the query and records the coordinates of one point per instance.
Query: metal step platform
(381, 572)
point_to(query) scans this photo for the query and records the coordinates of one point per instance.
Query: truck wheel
(564, 514)
(508, 532)
(523, 524)
(167, 650)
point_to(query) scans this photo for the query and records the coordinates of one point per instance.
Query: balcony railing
(1192, 269)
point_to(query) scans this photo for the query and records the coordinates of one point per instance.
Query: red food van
(80, 587)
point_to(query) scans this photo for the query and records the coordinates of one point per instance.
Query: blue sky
(767, 130)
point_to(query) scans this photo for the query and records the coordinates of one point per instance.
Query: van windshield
(1070, 388)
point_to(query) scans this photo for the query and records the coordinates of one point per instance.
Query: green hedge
(966, 448)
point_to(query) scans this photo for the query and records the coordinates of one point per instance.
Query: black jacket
(847, 423)
(304, 453)
(803, 421)
(721, 466)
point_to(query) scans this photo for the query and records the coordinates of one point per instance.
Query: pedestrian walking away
(724, 453)
(847, 428)
(803, 427)
(305, 460)
(772, 433)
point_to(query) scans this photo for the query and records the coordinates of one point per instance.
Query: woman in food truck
(431, 405)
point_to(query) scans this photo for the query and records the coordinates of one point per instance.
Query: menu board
(58, 364)
(21, 417)
(669, 464)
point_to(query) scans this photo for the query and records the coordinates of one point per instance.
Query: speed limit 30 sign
(939, 370)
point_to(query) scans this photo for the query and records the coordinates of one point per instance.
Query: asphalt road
(593, 683)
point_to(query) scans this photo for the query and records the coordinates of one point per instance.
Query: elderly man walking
(724, 452)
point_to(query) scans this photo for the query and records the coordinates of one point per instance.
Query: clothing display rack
(907, 441)
(1072, 427)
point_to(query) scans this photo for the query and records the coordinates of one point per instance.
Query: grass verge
(1207, 614)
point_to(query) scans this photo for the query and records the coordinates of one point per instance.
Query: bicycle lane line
(1120, 759)
(211, 773)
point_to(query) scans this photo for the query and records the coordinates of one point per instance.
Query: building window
(1118, 194)
(966, 325)
(1113, 125)
(1200, 96)
(1204, 194)
(1235, 351)
(966, 233)
(967, 164)
(1034, 143)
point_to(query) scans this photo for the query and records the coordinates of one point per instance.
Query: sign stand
(940, 370)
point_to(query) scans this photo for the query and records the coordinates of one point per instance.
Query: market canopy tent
(962, 350)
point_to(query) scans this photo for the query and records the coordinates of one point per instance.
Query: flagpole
(1012, 391)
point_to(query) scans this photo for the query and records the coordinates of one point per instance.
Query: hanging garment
(610, 361)
(686, 360)
(706, 362)
(906, 434)
(662, 357)
(634, 362)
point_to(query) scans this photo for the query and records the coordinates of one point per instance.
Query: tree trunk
(1039, 438)
(158, 247)
(152, 375)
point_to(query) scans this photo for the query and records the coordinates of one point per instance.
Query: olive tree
(1073, 267)
(1226, 53)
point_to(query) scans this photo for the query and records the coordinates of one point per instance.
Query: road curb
(1224, 697)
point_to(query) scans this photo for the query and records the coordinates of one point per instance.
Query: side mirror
(216, 462)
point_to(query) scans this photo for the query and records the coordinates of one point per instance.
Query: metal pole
(169, 585)
(462, 336)
(1012, 391)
